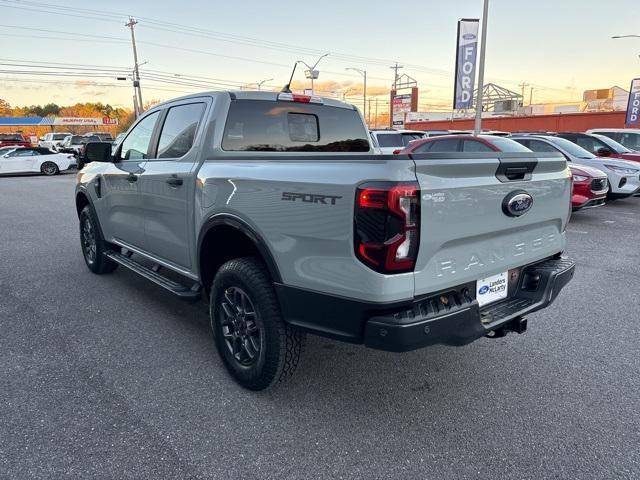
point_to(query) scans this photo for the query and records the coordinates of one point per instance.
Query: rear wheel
(256, 346)
(49, 168)
(93, 245)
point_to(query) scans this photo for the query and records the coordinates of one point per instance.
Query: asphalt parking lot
(110, 377)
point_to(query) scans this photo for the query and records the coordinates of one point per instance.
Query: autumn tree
(5, 108)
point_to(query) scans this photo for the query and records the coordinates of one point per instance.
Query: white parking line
(609, 221)
(581, 232)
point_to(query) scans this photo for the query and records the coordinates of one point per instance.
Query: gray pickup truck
(275, 209)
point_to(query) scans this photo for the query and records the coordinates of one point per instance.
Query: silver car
(624, 176)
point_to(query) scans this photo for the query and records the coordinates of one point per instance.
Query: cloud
(85, 83)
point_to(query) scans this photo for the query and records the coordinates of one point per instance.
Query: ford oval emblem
(469, 36)
(484, 289)
(517, 203)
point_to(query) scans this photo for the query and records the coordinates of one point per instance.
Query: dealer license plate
(492, 289)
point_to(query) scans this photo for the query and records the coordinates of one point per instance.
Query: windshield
(11, 137)
(612, 144)
(77, 139)
(59, 136)
(571, 148)
(507, 145)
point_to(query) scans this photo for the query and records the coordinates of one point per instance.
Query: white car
(629, 137)
(52, 140)
(389, 141)
(8, 149)
(35, 160)
(623, 175)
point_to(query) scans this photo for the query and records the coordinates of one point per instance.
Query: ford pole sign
(465, 63)
(633, 107)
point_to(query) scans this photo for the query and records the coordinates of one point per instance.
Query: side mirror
(96, 152)
(603, 152)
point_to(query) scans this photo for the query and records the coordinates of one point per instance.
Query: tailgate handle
(516, 173)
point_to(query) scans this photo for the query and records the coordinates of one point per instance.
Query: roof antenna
(287, 87)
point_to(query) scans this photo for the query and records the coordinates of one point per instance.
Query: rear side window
(538, 146)
(630, 140)
(267, 126)
(390, 140)
(508, 145)
(442, 146)
(474, 146)
(179, 130)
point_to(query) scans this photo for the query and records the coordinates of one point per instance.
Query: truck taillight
(387, 226)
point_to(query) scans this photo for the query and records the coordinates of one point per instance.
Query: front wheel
(93, 245)
(256, 346)
(49, 168)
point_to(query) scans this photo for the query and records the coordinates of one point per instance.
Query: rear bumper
(452, 317)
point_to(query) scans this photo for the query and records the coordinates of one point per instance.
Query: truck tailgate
(465, 234)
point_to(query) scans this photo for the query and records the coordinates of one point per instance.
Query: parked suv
(275, 208)
(75, 143)
(624, 176)
(52, 140)
(629, 137)
(590, 187)
(389, 140)
(601, 146)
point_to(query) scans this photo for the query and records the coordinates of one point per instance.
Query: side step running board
(182, 291)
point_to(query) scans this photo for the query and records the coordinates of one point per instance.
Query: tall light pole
(483, 49)
(312, 73)
(136, 72)
(261, 82)
(626, 36)
(364, 75)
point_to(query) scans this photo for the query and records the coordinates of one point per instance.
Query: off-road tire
(280, 344)
(94, 257)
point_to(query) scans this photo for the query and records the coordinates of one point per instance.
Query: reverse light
(386, 226)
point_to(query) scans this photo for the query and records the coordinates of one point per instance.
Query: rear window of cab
(277, 126)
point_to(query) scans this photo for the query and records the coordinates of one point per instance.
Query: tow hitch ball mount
(518, 325)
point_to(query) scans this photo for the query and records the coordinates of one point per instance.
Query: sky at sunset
(559, 47)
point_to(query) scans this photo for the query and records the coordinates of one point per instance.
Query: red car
(10, 139)
(590, 187)
(464, 143)
(601, 146)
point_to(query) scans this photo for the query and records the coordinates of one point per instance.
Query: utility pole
(136, 71)
(375, 120)
(531, 96)
(523, 85)
(395, 69)
(369, 113)
(483, 49)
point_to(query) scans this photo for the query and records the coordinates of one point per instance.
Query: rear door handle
(174, 181)
(132, 177)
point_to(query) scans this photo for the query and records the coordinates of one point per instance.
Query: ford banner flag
(465, 63)
(633, 107)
